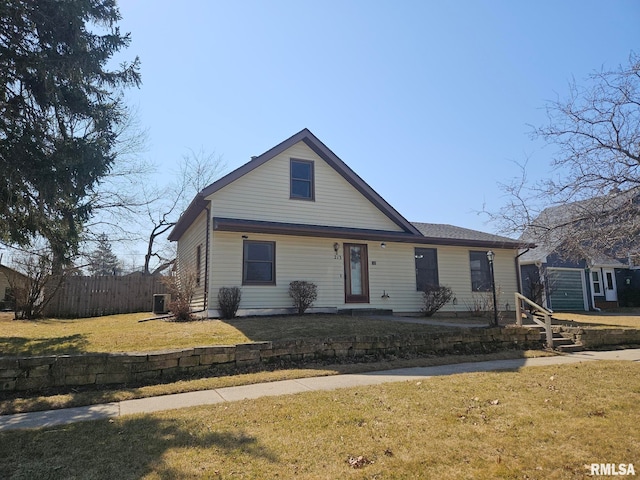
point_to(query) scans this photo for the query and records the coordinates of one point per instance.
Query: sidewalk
(285, 387)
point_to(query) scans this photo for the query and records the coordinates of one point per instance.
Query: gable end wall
(263, 194)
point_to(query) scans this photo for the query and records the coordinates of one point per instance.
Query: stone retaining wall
(600, 337)
(30, 373)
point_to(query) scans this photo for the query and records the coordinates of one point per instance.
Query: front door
(356, 273)
(610, 290)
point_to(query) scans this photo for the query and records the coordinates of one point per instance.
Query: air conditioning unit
(161, 302)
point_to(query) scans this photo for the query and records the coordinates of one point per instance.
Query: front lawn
(538, 422)
(628, 317)
(124, 333)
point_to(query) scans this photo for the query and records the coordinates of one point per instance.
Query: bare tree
(118, 202)
(592, 201)
(196, 170)
(34, 282)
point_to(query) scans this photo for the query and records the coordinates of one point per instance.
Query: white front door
(610, 290)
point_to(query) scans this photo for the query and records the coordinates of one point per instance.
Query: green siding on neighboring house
(567, 289)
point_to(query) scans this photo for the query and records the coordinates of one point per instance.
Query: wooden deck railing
(535, 312)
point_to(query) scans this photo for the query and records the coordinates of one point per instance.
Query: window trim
(597, 281)
(416, 258)
(245, 244)
(312, 189)
(484, 262)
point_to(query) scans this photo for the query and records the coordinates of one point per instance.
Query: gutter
(518, 272)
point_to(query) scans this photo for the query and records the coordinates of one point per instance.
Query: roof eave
(195, 208)
(322, 231)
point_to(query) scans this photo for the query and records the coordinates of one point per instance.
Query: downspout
(518, 272)
(206, 260)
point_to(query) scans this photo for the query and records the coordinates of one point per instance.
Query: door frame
(364, 270)
(610, 294)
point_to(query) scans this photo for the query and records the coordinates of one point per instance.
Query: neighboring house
(298, 212)
(553, 277)
(6, 298)
(562, 284)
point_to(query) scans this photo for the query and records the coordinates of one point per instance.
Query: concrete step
(574, 347)
(562, 341)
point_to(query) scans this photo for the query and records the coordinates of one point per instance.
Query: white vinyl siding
(264, 194)
(391, 272)
(187, 256)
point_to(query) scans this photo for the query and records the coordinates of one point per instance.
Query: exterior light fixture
(336, 246)
(245, 236)
(490, 257)
(383, 245)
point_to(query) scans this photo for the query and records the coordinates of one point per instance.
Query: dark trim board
(276, 228)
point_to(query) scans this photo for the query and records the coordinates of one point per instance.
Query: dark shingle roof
(444, 231)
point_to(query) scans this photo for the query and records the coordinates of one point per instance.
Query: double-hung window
(426, 268)
(480, 274)
(301, 179)
(259, 263)
(597, 285)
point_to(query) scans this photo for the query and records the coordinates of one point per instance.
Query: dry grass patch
(536, 423)
(125, 333)
(113, 333)
(623, 318)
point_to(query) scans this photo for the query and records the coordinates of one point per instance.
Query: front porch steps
(562, 342)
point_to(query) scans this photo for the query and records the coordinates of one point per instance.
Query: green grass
(538, 422)
(125, 333)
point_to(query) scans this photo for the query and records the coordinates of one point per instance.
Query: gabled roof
(8, 270)
(420, 233)
(574, 223)
(199, 203)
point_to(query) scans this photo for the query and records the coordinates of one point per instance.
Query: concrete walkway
(285, 387)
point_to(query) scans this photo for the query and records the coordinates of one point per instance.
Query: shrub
(303, 294)
(228, 301)
(182, 288)
(36, 285)
(434, 297)
(481, 305)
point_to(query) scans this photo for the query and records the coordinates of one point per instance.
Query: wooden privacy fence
(96, 296)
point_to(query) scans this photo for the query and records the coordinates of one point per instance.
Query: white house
(298, 212)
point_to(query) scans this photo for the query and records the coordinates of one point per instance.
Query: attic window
(301, 175)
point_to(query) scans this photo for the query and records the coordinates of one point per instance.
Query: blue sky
(429, 102)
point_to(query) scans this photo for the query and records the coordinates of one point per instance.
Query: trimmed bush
(434, 297)
(229, 301)
(303, 294)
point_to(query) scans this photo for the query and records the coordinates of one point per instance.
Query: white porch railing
(533, 315)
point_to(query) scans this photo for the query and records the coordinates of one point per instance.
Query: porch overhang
(304, 230)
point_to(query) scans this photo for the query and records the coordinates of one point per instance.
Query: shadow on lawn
(321, 326)
(128, 448)
(20, 346)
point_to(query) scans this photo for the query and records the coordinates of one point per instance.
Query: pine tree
(59, 109)
(102, 261)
